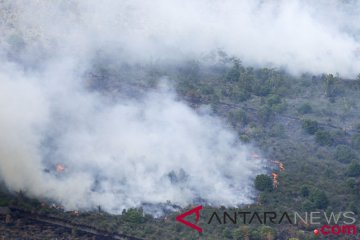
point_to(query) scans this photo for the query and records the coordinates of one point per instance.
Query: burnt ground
(25, 229)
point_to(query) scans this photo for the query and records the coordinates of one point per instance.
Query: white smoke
(126, 152)
(118, 154)
(301, 36)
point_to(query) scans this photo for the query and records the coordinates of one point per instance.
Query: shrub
(310, 126)
(351, 183)
(238, 116)
(324, 138)
(308, 205)
(241, 96)
(264, 114)
(330, 88)
(353, 170)
(354, 208)
(320, 200)
(227, 233)
(241, 233)
(134, 215)
(277, 130)
(244, 138)
(267, 232)
(273, 100)
(344, 154)
(263, 182)
(355, 141)
(305, 191)
(234, 73)
(305, 108)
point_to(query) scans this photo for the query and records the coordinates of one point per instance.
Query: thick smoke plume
(125, 152)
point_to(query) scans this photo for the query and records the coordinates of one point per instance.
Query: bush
(277, 130)
(339, 137)
(344, 154)
(308, 205)
(134, 215)
(241, 233)
(273, 100)
(255, 234)
(354, 208)
(263, 182)
(267, 232)
(264, 114)
(320, 200)
(352, 184)
(238, 116)
(244, 138)
(355, 141)
(310, 126)
(234, 73)
(305, 108)
(227, 233)
(330, 88)
(305, 191)
(241, 96)
(353, 170)
(324, 138)
(278, 108)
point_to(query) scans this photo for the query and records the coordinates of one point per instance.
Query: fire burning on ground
(275, 179)
(280, 165)
(60, 168)
(275, 175)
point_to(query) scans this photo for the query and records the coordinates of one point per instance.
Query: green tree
(263, 182)
(227, 233)
(352, 184)
(134, 215)
(330, 90)
(305, 109)
(238, 116)
(244, 138)
(308, 205)
(267, 232)
(263, 84)
(320, 199)
(234, 74)
(355, 141)
(324, 138)
(255, 234)
(310, 126)
(344, 154)
(353, 170)
(264, 114)
(357, 82)
(241, 233)
(273, 99)
(240, 95)
(305, 191)
(354, 208)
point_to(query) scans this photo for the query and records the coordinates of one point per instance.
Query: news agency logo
(336, 230)
(341, 223)
(196, 210)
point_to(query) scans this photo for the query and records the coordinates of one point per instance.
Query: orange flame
(59, 167)
(280, 164)
(275, 179)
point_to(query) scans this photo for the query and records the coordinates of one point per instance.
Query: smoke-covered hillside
(134, 106)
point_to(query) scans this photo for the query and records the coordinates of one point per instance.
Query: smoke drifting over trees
(123, 152)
